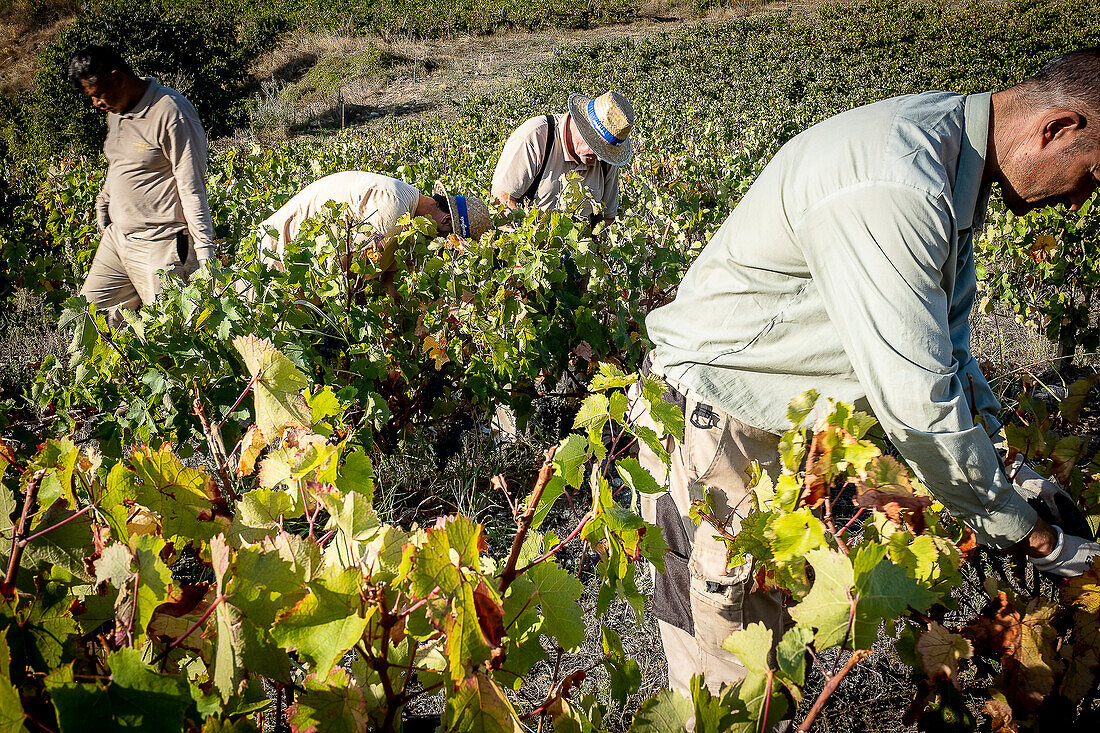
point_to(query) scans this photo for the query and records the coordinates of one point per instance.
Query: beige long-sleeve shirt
(156, 171)
(371, 198)
(522, 155)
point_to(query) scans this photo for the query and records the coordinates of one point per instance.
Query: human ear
(1061, 125)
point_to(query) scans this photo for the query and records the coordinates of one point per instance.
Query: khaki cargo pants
(697, 600)
(124, 273)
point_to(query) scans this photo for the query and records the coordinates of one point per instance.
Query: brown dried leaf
(899, 506)
(996, 630)
(1000, 716)
(967, 544)
(252, 444)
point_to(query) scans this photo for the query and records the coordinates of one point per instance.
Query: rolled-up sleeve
(877, 252)
(185, 148)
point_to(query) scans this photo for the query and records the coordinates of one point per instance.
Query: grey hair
(1070, 81)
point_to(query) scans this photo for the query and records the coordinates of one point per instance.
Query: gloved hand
(1049, 499)
(1072, 556)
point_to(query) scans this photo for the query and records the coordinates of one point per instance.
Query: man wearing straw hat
(375, 199)
(848, 268)
(592, 140)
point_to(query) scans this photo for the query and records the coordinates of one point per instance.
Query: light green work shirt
(848, 268)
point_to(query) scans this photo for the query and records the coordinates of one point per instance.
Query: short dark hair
(94, 63)
(442, 201)
(1070, 81)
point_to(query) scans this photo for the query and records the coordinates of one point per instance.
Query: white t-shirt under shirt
(522, 155)
(371, 198)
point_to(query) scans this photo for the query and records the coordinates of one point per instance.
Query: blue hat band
(595, 120)
(463, 216)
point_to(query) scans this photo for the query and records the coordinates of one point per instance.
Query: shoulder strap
(529, 194)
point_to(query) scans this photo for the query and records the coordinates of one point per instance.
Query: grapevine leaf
(265, 507)
(479, 705)
(182, 497)
(668, 416)
(332, 705)
(1030, 671)
(357, 474)
(11, 707)
(801, 406)
(791, 653)
(995, 632)
(1070, 407)
(326, 623)
(555, 487)
(252, 445)
(666, 712)
(884, 591)
(592, 415)
(624, 673)
(829, 603)
(940, 651)
(454, 543)
(637, 477)
(278, 386)
(465, 643)
(58, 459)
(793, 535)
(751, 645)
(136, 699)
(611, 377)
(569, 459)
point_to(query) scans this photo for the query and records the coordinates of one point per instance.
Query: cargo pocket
(671, 602)
(718, 611)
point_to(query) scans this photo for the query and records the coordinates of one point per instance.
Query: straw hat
(470, 217)
(605, 123)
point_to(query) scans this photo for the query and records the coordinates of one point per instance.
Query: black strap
(529, 194)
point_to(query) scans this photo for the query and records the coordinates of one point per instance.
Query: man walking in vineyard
(591, 140)
(152, 213)
(377, 200)
(848, 267)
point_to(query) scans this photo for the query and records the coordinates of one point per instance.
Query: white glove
(1072, 556)
(1035, 485)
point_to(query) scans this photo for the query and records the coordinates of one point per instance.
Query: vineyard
(274, 499)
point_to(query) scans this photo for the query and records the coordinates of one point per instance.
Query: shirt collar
(146, 100)
(969, 194)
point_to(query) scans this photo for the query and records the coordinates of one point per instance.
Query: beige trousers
(125, 271)
(698, 600)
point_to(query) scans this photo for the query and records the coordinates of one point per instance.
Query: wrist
(1041, 541)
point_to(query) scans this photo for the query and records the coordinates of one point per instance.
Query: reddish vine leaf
(1029, 673)
(900, 507)
(940, 651)
(996, 630)
(490, 614)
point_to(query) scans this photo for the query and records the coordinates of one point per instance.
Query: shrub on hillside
(201, 51)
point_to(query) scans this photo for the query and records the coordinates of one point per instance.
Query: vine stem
(244, 394)
(52, 527)
(557, 548)
(214, 440)
(18, 542)
(545, 474)
(191, 629)
(830, 688)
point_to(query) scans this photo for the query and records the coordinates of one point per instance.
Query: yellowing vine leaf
(278, 386)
